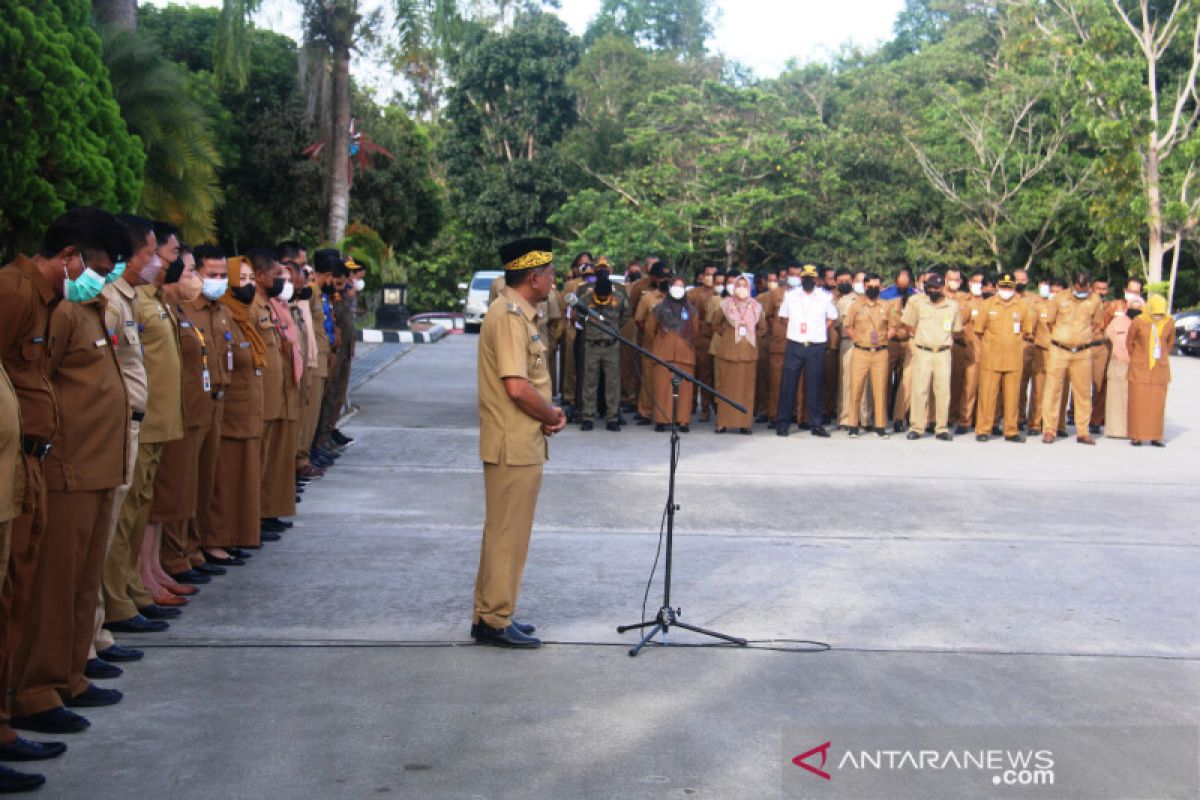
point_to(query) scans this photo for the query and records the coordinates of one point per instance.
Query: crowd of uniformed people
(944, 352)
(161, 409)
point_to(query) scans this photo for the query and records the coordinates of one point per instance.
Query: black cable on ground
(775, 645)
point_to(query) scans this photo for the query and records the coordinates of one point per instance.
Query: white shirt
(806, 314)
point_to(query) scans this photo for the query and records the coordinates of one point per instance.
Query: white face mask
(977, 289)
(1006, 294)
(1130, 297)
(721, 289)
(860, 288)
(677, 292)
(288, 291)
(953, 285)
(772, 285)
(359, 284)
(742, 292)
(215, 287)
(1044, 290)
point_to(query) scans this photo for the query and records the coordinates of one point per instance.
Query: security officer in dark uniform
(601, 351)
(516, 416)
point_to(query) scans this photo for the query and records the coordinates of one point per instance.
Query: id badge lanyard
(205, 375)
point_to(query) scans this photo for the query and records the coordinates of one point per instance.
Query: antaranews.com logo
(1005, 767)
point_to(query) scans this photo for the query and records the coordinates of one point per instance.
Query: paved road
(957, 584)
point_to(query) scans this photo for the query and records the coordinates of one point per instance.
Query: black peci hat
(526, 254)
(327, 260)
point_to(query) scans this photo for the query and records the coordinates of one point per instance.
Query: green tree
(682, 27)
(62, 139)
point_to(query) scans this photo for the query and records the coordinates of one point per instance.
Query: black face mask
(276, 287)
(633, 276)
(304, 293)
(243, 294)
(808, 283)
(844, 288)
(328, 288)
(872, 292)
(988, 293)
(1022, 286)
(935, 296)
(1133, 313)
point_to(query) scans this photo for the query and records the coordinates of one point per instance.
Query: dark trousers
(798, 359)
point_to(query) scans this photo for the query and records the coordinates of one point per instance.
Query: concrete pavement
(957, 584)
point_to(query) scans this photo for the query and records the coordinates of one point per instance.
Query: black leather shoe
(981, 437)
(95, 697)
(613, 426)
(760, 419)
(238, 552)
(209, 569)
(997, 430)
(524, 627)
(503, 637)
(56, 720)
(12, 781)
(898, 426)
(137, 624)
(1017, 438)
(1156, 443)
(819, 431)
(272, 524)
(781, 430)
(685, 428)
(945, 437)
(746, 431)
(1094, 430)
(190, 577)
(587, 425)
(234, 561)
(340, 438)
(24, 750)
(155, 611)
(120, 655)
(853, 433)
(660, 428)
(883, 433)
(97, 669)
(913, 436)
(266, 536)
(961, 430)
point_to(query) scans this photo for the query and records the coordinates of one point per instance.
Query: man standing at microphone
(515, 418)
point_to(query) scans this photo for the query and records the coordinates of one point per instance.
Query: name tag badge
(243, 345)
(874, 337)
(803, 327)
(742, 331)
(38, 340)
(129, 323)
(163, 315)
(974, 312)
(947, 324)
(185, 324)
(1157, 351)
(1016, 326)
(683, 314)
(258, 372)
(206, 380)
(229, 361)
(100, 343)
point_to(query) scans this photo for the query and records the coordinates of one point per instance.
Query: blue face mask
(84, 288)
(117, 271)
(793, 281)
(215, 287)
(1082, 295)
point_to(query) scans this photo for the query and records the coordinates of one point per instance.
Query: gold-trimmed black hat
(526, 254)
(1007, 282)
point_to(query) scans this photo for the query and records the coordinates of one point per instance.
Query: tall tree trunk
(339, 159)
(117, 13)
(1154, 213)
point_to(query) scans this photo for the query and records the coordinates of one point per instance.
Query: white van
(475, 303)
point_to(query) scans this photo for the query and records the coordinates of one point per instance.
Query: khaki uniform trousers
(931, 375)
(121, 577)
(53, 652)
(312, 391)
(845, 351)
(631, 384)
(1063, 367)
(992, 382)
(201, 525)
(1026, 398)
(102, 639)
(762, 385)
(26, 534)
(568, 355)
(645, 403)
(602, 358)
(959, 357)
(180, 543)
(1116, 400)
(866, 364)
(511, 495)
(704, 373)
(278, 490)
(899, 363)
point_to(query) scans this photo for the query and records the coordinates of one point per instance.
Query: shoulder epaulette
(513, 308)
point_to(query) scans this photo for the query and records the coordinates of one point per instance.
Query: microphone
(573, 301)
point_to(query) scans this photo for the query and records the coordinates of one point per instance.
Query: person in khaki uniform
(958, 350)
(671, 332)
(1101, 354)
(869, 325)
(1027, 298)
(1002, 347)
(1151, 337)
(650, 297)
(631, 385)
(849, 291)
(515, 417)
(935, 323)
(572, 344)
(699, 296)
(86, 463)
(234, 510)
(775, 334)
(1074, 318)
(738, 326)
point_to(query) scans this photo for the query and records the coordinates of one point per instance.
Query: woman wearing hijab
(236, 499)
(1149, 342)
(671, 330)
(738, 325)
(1116, 400)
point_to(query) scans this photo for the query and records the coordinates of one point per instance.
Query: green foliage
(681, 27)
(62, 139)
(180, 183)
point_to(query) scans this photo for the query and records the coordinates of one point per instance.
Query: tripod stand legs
(663, 622)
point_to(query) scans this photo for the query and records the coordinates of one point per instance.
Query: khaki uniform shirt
(160, 355)
(933, 326)
(776, 334)
(867, 322)
(698, 296)
(89, 448)
(714, 318)
(650, 298)
(243, 414)
(272, 374)
(26, 300)
(510, 346)
(122, 328)
(323, 348)
(842, 304)
(1074, 322)
(204, 351)
(999, 325)
(12, 459)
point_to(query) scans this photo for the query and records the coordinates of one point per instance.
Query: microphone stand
(667, 616)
